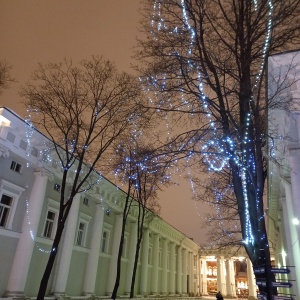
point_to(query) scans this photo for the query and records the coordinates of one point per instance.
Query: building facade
(170, 263)
(283, 211)
(227, 270)
(87, 257)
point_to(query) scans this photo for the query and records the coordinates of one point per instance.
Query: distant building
(283, 212)
(170, 263)
(227, 270)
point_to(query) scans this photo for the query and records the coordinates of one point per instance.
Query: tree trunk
(45, 279)
(117, 282)
(136, 259)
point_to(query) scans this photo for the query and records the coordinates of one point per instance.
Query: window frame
(160, 258)
(5, 209)
(106, 245)
(56, 187)
(53, 206)
(14, 191)
(16, 166)
(85, 220)
(150, 253)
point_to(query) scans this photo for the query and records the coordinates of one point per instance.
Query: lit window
(15, 166)
(5, 206)
(49, 224)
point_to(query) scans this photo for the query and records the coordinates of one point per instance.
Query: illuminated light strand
(44, 156)
(193, 187)
(31, 233)
(242, 159)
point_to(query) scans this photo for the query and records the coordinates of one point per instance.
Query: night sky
(42, 31)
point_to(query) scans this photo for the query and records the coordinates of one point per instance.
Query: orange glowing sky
(41, 31)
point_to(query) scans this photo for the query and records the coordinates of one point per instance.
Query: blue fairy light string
(219, 150)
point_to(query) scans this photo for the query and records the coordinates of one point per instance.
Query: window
(15, 166)
(195, 260)
(49, 224)
(150, 256)
(23, 145)
(51, 219)
(159, 258)
(80, 234)
(10, 137)
(9, 195)
(5, 206)
(86, 201)
(57, 187)
(168, 261)
(54, 164)
(82, 229)
(105, 240)
(34, 152)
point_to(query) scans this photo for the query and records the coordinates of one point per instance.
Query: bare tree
(222, 218)
(143, 171)
(205, 61)
(5, 77)
(83, 109)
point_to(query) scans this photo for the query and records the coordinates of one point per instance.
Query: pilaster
(93, 257)
(22, 258)
(66, 248)
(112, 272)
(155, 257)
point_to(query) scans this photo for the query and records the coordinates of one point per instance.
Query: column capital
(4, 151)
(44, 172)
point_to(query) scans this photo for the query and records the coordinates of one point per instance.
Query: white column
(144, 271)
(184, 271)
(294, 161)
(221, 276)
(66, 248)
(131, 258)
(164, 274)
(198, 280)
(155, 258)
(251, 280)
(291, 235)
(191, 273)
(112, 272)
(93, 257)
(230, 280)
(172, 269)
(22, 258)
(179, 271)
(204, 277)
